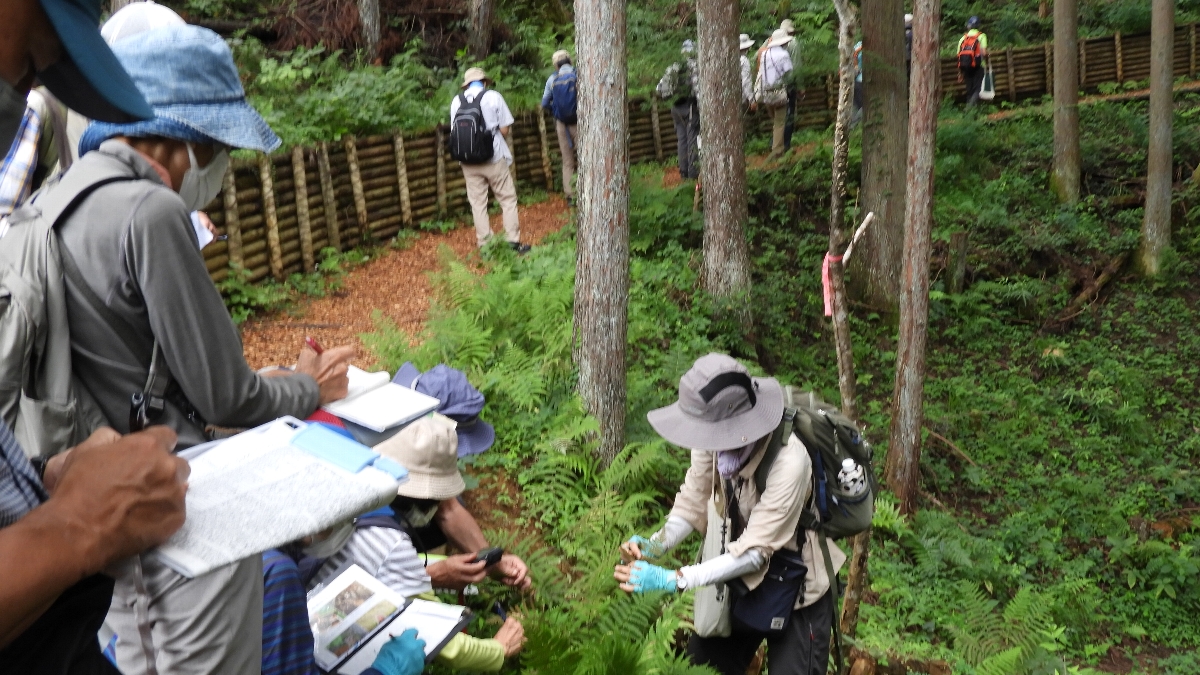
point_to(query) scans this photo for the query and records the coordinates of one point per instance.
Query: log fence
(280, 211)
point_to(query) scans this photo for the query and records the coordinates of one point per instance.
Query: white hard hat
(138, 17)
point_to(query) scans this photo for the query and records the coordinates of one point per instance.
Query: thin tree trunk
(857, 579)
(368, 15)
(1156, 227)
(479, 33)
(1064, 179)
(904, 446)
(726, 254)
(875, 277)
(602, 241)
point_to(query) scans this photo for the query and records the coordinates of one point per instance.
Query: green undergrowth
(245, 298)
(1059, 536)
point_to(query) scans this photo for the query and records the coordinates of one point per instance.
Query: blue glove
(648, 547)
(402, 655)
(645, 578)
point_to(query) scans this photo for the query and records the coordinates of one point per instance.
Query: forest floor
(395, 282)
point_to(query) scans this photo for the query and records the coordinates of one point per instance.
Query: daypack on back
(970, 51)
(470, 139)
(47, 410)
(830, 437)
(564, 101)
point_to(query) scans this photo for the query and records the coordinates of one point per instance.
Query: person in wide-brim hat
(429, 450)
(745, 42)
(728, 418)
(779, 38)
(457, 399)
(475, 75)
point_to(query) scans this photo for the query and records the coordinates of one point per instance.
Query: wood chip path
(395, 282)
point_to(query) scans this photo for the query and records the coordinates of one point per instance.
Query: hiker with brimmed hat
(151, 339)
(428, 448)
(728, 418)
(480, 122)
(771, 85)
(680, 84)
(795, 84)
(561, 99)
(744, 45)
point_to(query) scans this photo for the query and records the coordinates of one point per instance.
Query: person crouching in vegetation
(428, 448)
(681, 83)
(561, 99)
(728, 418)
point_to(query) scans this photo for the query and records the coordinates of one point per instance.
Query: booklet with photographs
(354, 615)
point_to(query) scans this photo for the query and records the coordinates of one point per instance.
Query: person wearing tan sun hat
(771, 85)
(428, 448)
(727, 418)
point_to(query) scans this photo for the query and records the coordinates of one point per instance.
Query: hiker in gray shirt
(148, 304)
(681, 82)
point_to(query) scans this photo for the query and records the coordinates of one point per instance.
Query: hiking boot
(521, 249)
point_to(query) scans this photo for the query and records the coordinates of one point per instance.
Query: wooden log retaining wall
(363, 189)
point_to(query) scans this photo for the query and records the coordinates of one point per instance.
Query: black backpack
(470, 139)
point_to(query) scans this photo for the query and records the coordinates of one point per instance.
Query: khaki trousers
(778, 123)
(494, 175)
(167, 624)
(567, 139)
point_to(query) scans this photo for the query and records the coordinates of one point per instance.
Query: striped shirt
(384, 553)
(287, 639)
(20, 489)
(16, 174)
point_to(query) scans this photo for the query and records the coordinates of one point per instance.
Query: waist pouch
(768, 608)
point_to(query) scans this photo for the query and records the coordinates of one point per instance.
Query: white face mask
(332, 543)
(202, 184)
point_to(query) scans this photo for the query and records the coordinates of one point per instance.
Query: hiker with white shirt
(744, 45)
(770, 86)
(480, 125)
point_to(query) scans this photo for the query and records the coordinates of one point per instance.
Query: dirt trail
(395, 282)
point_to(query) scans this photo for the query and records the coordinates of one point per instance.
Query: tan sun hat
(779, 38)
(475, 75)
(787, 25)
(560, 56)
(744, 42)
(429, 450)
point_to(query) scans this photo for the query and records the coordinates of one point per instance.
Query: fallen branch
(1082, 301)
(954, 448)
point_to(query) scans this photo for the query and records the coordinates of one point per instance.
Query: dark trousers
(686, 116)
(801, 649)
(973, 78)
(62, 641)
(790, 125)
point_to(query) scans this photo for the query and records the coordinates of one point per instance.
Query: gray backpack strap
(778, 440)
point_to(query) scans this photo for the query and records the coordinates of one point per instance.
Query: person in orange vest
(972, 60)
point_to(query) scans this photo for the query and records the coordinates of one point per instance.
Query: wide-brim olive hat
(720, 407)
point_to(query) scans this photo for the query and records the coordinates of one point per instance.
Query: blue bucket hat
(460, 402)
(88, 78)
(188, 76)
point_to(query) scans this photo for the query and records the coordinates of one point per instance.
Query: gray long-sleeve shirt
(133, 241)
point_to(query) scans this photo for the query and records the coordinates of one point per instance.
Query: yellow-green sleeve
(464, 652)
(983, 40)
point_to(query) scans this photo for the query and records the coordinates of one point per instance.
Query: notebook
(377, 403)
(355, 614)
(272, 485)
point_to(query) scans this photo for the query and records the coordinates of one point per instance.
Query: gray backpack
(40, 399)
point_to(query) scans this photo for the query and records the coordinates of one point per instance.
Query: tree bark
(368, 16)
(479, 33)
(904, 446)
(1156, 227)
(115, 6)
(726, 253)
(1064, 179)
(875, 277)
(856, 580)
(602, 240)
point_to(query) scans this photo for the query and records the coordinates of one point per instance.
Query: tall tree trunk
(875, 277)
(856, 580)
(368, 15)
(904, 446)
(1156, 228)
(602, 241)
(115, 5)
(726, 254)
(1064, 179)
(479, 32)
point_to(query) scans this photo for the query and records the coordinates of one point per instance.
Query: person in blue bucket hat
(145, 318)
(459, 401)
